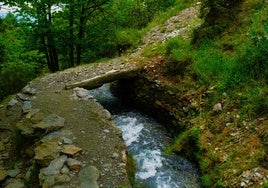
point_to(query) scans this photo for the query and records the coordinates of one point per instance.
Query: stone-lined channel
(146, 139)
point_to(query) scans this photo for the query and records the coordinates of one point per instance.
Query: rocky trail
(53, 137)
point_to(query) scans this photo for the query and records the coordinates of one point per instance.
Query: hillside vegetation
(222, 70)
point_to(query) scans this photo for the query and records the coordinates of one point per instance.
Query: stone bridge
(94, 75)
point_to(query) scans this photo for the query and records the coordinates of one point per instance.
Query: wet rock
(88, 177)
(50, 123)
(16, 183)
(74, 164)
(13, 173)
(26, 107)
(70, 150)
(3, 174)
(46, 152)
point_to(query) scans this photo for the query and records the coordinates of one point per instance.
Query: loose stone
(67, 141)
(29, 90)
(70, 150)
(26, 107)
(55, 166)
(12, 103)
(74, 164)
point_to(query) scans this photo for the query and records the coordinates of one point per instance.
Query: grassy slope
(232, 70)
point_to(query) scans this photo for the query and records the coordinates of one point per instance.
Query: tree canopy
(58, 34)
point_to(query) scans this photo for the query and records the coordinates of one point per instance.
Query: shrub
(14, 76)
(206, 181)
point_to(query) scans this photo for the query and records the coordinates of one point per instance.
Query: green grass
(234, 62)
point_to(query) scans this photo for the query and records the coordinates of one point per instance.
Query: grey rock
(52, 136)
(23, 97)
(29, 90)
(81, 92)
(50, 123)
(26, 107)
(67, 141)
(13, 173)
(88, 177)
(55, 166)
(12, 103)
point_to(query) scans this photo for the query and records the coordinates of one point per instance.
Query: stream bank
(230, 150)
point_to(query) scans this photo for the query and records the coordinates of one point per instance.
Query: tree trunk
(51, 44)
(80, 34)
(71, 33)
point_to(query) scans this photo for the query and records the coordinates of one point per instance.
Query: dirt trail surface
(87, 125)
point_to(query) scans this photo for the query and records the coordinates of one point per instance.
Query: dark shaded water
(146, 139)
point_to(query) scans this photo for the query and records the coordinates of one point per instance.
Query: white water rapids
(146, 139)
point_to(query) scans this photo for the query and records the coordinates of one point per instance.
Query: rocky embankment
(52, 137)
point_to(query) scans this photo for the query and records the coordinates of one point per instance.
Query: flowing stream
(145, 139)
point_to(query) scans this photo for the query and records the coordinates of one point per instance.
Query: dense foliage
(60, 34)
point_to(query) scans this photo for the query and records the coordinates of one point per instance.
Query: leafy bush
(206, 181)
(14, 76)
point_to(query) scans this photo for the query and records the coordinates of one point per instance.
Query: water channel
(146, 139)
